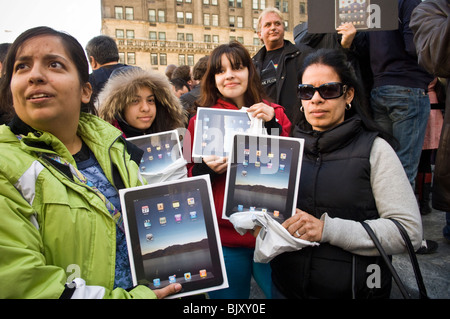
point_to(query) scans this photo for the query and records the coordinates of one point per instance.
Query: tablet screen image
(354, 11)
(160, 150)
(172, 236)
(263, 175)
(214, 130)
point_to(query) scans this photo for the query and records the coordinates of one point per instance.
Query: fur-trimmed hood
(122, 87)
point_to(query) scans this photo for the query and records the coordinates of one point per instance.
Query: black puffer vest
(335, 178)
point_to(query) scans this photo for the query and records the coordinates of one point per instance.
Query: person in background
(179, 86)
(103, 56)
(62, 233)
(231, 82)
(346, 157)
(188, 99)
(169, 71)
(278, 62)
(399, 99)
(431, 27)
(184, 72)
(140, 102)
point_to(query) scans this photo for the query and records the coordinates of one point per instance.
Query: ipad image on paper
(172, 236)
(214, 129)
(354, 11)
(263, 175)
(160, 150)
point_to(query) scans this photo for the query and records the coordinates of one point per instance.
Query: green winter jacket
(54, 230)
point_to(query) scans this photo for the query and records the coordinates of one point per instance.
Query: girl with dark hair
(231, 82)
(61, 234)
(350, 174)
(140, 102)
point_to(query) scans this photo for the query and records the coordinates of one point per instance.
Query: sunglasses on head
(327, 91)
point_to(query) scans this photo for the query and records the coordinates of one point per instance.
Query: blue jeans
(240, 267)
(403, 112)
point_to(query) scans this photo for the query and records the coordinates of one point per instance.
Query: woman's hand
(348, 32)
(167, 291)
(262, 111)
(304, 226)
(216, 163)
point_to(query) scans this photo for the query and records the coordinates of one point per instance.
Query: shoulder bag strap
(413, 257)
(388, 262)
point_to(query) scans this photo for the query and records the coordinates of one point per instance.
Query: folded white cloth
(175, 171)
(272, 240)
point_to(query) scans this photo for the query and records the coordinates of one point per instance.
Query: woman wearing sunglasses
(350, 174)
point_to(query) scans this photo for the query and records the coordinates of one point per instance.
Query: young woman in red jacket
(231, 82)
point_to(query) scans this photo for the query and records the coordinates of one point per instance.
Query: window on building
(205, 1)
(131, 58)
(255, 23)
(189, 37)
(130, 34)
(215, 39)
(207, 38)
(231, 3)
(180, 17)
(122, 57)
(189, 19)
(215, 20)
(118, 13)
(180, 36)
(190, 60)
(256, 41)
(161, 16)
(152, 15)
(255, 5)
(240, 40)
(262, 4)
(238, 3)
(154, 58)
(129, 13)
(240, 22)
(285, 6)
(120, 34)
(181, 59)
(214, 2)
(152, 35)
(206, 18)
(162, 36)
(188, 1)
(163, 59)
(231, 20)
(302, 8)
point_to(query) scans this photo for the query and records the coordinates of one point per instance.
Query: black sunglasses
(327, 91)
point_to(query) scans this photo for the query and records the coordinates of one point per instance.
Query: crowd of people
(360, 100)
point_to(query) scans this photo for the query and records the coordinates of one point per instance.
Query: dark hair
(200, 68)
(4, 47)
(103, 49)
(238, 55)
(179, 83)
(74, 49)
(337, 60)
(182, 72)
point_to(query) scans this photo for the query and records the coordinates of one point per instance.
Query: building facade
(155, 33)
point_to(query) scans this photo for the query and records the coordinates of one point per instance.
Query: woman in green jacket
(61, 233)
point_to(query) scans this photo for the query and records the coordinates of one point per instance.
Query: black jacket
(288, 75)
(335, 178)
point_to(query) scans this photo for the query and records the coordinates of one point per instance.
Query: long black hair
(74, 49)
(337, 60)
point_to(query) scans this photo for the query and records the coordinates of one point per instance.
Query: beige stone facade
(155, 33)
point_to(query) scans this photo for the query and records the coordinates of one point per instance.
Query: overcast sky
(80, 18)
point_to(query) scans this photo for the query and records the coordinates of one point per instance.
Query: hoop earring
(302, 109)
(348, 107)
